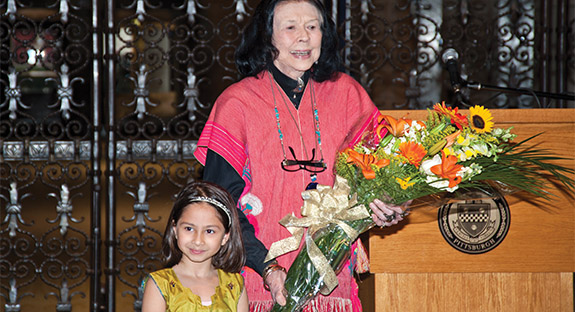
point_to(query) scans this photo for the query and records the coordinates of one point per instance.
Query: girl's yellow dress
(181, 298)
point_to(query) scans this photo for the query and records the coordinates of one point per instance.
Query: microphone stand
(450, 57)
(478, 86)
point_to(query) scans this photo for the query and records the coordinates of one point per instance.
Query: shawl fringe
(318, 304)
(261, 306)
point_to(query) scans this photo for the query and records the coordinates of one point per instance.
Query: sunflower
(480, 119)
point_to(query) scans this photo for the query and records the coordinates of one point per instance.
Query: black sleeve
(217, 170)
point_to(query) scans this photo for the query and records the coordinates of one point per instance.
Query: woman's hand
(275, 281)
(388, 214)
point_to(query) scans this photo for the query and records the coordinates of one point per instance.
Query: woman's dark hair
(256, 51)
(231, 256)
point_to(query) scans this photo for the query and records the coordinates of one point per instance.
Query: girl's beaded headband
(215, 203)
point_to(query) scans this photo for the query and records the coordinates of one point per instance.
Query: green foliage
(435, 136)
(433, 119)
(525, 168)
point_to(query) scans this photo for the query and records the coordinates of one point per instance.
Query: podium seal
(475, 225)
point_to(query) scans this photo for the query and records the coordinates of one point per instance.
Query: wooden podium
(413, 268)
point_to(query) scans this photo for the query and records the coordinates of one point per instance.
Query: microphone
(450, 57)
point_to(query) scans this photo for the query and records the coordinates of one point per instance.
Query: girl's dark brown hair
(231, 256)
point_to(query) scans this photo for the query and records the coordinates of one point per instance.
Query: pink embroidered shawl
(242, 127)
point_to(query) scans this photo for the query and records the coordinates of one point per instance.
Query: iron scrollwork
(164, 63)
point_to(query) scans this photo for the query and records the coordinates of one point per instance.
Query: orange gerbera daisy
(456, 118)
(366, 162)
(414, 152)
(448, 169)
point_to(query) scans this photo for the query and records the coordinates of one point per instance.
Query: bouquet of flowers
(403, 160)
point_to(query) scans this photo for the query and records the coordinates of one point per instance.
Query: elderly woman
(278, 130)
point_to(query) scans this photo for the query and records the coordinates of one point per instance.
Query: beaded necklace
(316, 166)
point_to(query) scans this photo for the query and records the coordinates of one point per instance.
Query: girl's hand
(388, 214)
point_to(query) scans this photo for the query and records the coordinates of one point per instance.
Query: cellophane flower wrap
(399, 161)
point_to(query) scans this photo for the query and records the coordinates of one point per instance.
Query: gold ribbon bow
(322, 206)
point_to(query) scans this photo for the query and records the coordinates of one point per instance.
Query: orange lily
(448, 169)
(380, 130)
(395, 126)
(414, 152)
(451, 138)
(366, 162)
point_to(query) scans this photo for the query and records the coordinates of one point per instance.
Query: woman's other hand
(388, 214)
(275, 281)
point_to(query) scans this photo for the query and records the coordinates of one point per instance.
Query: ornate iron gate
(102, 103)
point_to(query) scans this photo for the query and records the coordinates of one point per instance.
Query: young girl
(203, 254)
